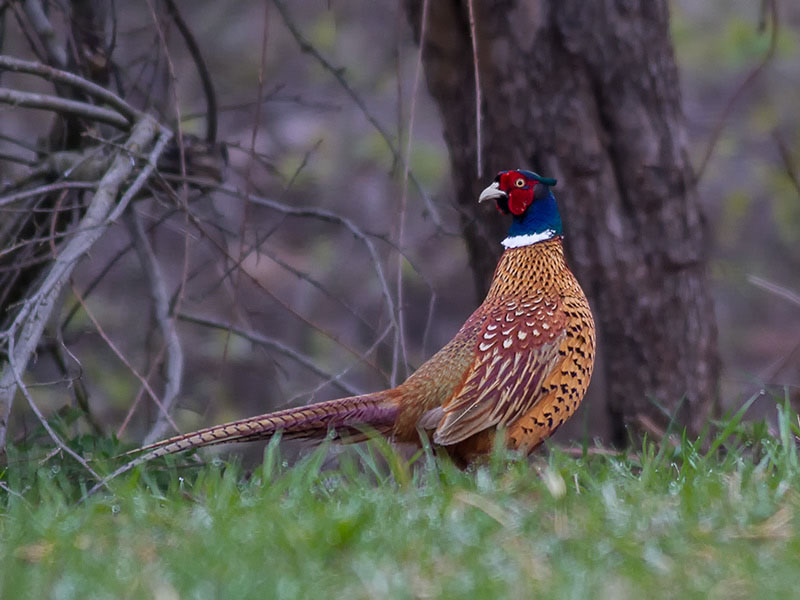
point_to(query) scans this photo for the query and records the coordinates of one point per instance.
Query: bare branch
(44, 29)
(248, 179)
(334, 379)
(257, 339)
(273, 344)
(474, 38)
(774, 288)
(166, 323)
(746, 82)
(337, 72)
(788, 161)
(331, 217)
(12, 367)
(152, 160)
(258, 247)
(202, 70)
(24, 333)
(104, 271)
(142, 390)
(22, 144)
(17, 159)
(45, 189)
(4, 485)
(62, 105)
(259, 284)
(322, 215)
(8, 63)
(87, 165)
(59, 352)
(769, 373)
(119, 354)
(303, 276)
(400, 334)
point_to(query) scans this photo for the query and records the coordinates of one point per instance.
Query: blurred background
(276, 306)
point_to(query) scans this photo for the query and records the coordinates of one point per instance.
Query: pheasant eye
(520, 182)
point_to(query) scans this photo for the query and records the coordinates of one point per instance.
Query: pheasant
(520, 364)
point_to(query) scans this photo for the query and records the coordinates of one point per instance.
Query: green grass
(712, 518)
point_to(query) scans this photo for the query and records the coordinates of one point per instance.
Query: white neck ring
(517, 241)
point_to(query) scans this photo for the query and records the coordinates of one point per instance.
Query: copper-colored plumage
(522, 361)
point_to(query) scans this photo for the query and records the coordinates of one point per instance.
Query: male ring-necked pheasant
(522, 361)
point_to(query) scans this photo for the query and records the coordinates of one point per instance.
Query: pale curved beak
(491, 192)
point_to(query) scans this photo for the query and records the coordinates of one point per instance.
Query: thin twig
(17, 159)
(9, 63)
(746, 82)
(75, 382)
(63, 105)
(259, 284)
(474, 38)
(184, 190)
(87, 165)
(202, 70)
(400, 340)
(331, 217)
(771, 371)
(100, 276)
(16, 494)
(235, 280)
(337, 72)
(657, 432)
(137, 461)
(328, 217)
(322, 215)
(166, 323)
(46, 189)
(141, 392)
(144, 174)
(24, 24)
(34, 240)
(428, 323)
(257, 246)
(176, 102)
(22, 144)
(37, 17)
(29, 323)
(335, 378)
(272, 344)
(774, 288)
(788, 161)
(12, 366)
(121, 356)
(301, 275)
(597, 451)
(270, 96)
(399, 31)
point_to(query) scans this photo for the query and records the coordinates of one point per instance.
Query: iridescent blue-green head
(527, 197)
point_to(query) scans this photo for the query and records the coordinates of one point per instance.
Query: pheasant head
(527, 197)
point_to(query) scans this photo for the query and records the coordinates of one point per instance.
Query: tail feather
(377, 410)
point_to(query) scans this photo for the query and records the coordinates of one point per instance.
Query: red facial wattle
(519, 197)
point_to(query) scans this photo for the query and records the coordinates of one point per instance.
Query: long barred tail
(377, 411)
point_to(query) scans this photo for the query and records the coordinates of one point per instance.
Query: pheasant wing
(517, 347)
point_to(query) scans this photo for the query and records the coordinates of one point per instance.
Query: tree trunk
(588, 92)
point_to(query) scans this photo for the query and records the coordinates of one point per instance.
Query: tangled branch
(24, 332)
